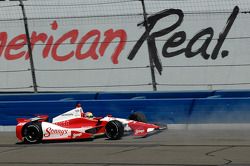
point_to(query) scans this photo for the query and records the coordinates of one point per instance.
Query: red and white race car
(76, 125)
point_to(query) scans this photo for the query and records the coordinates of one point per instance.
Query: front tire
(138, 116)
(114, 130)
(32, 133)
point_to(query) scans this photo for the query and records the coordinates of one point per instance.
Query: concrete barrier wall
(166, 107)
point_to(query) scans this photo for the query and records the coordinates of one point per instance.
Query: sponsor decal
(49, 131)
(21, 124)
(94, 43)
(179, 37)
(63, 123)
(67, 114)
(139, 131)
(53, 46)
(75, 135)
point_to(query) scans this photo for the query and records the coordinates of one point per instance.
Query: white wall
(101, 74)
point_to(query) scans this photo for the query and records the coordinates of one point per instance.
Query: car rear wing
(40, 118)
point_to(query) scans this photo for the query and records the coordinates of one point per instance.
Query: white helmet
(89, 115)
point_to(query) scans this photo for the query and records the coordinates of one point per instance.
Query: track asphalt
(168, 148)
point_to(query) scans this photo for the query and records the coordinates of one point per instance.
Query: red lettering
(50, 131)
(48, 46)
(15, 44)
(110, 35)
(3, 39)
(92, 50)
(87, 46)
(72, 35)
(34, 39)
(47, 134)
(54, 25)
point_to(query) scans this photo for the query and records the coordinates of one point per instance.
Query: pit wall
(190, 107)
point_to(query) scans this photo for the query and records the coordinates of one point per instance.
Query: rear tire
(32, 133)
(114, 130)
(138, 116)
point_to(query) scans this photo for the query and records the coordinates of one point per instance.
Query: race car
(77, 125)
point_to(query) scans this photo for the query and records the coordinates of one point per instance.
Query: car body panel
(73, 125)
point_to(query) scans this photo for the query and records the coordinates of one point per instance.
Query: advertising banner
(125, 45)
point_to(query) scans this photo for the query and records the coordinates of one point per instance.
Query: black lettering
(189, 53)
(223, 35)
(152, 20)
(179, 38)
(175, 40)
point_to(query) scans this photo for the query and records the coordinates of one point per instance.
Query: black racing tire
(114, 130)
(32, 132)
(138, 116)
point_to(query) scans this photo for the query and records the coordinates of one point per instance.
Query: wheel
(138, 116)
(114, 130)
(32, 133)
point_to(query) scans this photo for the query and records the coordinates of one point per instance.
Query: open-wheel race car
(77, 125)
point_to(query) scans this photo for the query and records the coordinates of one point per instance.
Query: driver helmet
(89, 115)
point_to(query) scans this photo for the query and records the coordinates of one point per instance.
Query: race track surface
(170, 148)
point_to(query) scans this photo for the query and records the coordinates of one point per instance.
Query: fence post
(29, 46)
(148, 43)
